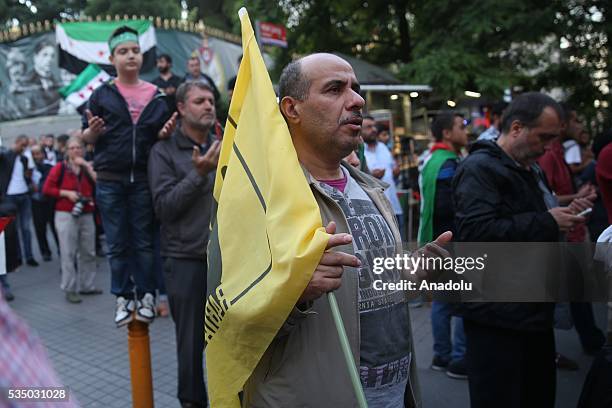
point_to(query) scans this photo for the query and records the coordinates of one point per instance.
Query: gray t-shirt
(383, 314)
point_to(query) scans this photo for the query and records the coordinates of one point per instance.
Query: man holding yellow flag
(268, 330)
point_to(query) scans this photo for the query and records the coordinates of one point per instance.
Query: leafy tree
(158, 8)
(583, 59)
(45, 10)
(482, 45)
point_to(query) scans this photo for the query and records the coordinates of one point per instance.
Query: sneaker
(124, 312)
(32, 262)
(73, 297)
(457, 370)
(145, 311)
(439, 364)
(565, 363)
(8, 295)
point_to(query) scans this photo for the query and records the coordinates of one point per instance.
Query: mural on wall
(30, 75)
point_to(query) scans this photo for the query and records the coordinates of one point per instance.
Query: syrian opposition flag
(77, 93)
(84, 43)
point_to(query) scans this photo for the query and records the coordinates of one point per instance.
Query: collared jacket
(122, 151)
(304, 365)
(182, 199)
(496, 200)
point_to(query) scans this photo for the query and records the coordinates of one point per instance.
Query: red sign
(272, 34)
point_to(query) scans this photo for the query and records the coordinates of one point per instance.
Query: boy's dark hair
(443, 121)
(119, 31)
(527, 108)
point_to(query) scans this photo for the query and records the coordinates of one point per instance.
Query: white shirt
(18, 184)
(572, 152)
(380, 157)
(50, 156)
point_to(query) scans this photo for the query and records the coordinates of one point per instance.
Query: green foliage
(46, 10)
(158, 8)
(452, 45)
(475, 45)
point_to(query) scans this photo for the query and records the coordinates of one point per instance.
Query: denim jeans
(441, 330)
(127, 216)
(24, 220)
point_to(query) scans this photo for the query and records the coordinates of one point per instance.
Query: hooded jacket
(497, 200)
(122, 151)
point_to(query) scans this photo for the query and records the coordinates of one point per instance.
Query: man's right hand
(95, 123)
(565, 218)
(328, 275)
(207, 163)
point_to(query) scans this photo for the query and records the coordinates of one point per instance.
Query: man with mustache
(304, 365)
(182, 175)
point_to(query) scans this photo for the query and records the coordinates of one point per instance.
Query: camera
(77, 210)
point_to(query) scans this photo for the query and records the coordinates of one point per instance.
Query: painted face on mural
(43, 61)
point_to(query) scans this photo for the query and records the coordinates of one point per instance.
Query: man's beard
(163, 70)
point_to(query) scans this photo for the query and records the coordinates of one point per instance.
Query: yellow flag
(266, 237)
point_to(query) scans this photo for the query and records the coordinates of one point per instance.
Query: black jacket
(181, 197)
(122, 151)
(496, 200)
(7, 162)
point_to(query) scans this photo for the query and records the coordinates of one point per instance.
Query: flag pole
(346, 350)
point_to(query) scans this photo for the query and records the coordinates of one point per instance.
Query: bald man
(304, 365)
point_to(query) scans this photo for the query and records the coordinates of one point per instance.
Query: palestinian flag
(77, 93)
(84, 43)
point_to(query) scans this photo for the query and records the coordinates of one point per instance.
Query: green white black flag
(78, 91)
(83, 43)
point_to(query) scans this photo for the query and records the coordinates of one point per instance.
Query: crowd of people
(141, 171)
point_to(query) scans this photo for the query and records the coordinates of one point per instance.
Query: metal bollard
(140, 364)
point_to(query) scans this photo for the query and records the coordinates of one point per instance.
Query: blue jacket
(122, 151)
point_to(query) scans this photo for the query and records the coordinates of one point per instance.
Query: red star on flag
(81, 95)
(89, 87)
(101, 53)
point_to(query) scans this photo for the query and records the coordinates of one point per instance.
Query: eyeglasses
(75, 147)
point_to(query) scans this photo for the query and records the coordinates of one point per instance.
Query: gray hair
(293, 82)
(186, 87)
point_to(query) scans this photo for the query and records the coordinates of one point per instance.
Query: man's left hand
(169, 127)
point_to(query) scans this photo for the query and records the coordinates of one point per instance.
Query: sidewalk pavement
(91, 355)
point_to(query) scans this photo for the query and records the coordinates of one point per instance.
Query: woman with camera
(71, 182)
